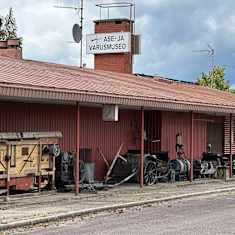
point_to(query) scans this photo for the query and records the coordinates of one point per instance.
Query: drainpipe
(231, 147)
(142, 149)
(191, 148)
(77, 186)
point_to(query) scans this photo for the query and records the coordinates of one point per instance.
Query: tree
(10, 25)
(2, 29)
(214, 79)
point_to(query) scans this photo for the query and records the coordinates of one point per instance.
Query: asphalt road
(213, 215)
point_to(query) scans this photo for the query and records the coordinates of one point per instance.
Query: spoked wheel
(150, 173)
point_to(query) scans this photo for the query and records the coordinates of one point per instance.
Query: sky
(171, 31)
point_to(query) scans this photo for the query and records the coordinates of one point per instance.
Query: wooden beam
(77, 185)
(191, 147)
(113, 162)
(103, 157)
(8, 172)
(142, 149)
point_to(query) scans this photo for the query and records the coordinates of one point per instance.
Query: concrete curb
(107, 208)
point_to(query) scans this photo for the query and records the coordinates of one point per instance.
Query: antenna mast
(211, 53)
(81, 22)
(81, 11)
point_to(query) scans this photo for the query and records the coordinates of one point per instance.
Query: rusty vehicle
(211, 165)
(157, 168)
(27, 159)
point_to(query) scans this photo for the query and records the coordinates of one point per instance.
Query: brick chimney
(116, 62)
(11, 48)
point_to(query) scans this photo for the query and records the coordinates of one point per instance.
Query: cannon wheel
(150, 172)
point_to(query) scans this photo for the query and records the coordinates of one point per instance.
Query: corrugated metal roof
(41, 80)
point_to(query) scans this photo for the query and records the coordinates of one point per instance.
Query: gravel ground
(201, 215)
(43, 206)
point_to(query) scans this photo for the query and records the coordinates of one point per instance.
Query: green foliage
(2, 29)
(214, 79)
(8, 29)
(10, 25)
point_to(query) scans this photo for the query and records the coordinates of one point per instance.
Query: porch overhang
(13, 92)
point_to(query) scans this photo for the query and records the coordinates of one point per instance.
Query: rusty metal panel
(153, 131)
(200, 138)
(173, 123)
(25, 117)
(108, 136)
(215, 136)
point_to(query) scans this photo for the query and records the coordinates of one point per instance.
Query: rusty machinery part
(213, 160)
(209, 164)
(150, 172)
(180, 166)
(207, 168)
(53, 150)
(157, 168)
(64, 169)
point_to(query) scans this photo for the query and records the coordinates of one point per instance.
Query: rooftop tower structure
(114, 42)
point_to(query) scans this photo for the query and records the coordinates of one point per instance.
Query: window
(25, 151)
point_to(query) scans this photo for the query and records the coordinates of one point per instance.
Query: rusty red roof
(46, 81)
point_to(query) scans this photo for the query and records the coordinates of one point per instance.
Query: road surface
(204, 215)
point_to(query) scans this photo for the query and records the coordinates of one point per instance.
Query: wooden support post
(191, 148)
(39, 166)
(8, 171)
(231, 146)
(142, 149)
(77, 186)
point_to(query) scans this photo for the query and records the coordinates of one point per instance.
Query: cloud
(170, 31)
(175, 29)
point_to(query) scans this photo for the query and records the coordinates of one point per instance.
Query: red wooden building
(39, 96)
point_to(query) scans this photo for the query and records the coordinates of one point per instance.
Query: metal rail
(114, 5)
(108, 6)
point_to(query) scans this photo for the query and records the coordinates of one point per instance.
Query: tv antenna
(77, 30)
(211, 53)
